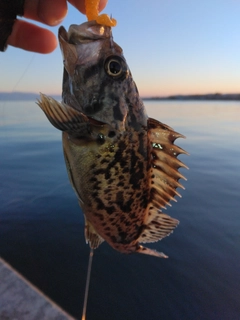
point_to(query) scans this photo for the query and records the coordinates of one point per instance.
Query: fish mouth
(84, 33)
(84, 43)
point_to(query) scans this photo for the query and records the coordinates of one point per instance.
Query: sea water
(42, 226)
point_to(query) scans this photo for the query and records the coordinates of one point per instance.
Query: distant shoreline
(201, 97)
(24, 96)
(21, 96)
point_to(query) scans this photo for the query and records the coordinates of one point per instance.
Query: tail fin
(150, 252)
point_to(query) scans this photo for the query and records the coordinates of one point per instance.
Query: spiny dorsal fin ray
(161, 226)
(164, 165)
(171, 177)
(170, 169)
(172, 161)
(162, 131)
(159, 194)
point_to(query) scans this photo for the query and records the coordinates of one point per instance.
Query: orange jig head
(92, 13)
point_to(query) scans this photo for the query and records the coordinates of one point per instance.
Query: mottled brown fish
(122, 165)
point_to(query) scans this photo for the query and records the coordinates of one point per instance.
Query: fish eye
(115, 67)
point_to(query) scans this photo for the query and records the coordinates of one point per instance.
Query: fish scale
(122, 164)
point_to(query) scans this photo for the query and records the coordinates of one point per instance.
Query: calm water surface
(41, 225)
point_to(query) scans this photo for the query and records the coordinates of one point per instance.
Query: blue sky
(171, 46)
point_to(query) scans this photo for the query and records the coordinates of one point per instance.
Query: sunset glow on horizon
(171, 48)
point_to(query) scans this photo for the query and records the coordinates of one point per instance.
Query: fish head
(97, 80)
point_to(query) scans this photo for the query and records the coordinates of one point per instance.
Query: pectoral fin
(70, 120)
(63, 117)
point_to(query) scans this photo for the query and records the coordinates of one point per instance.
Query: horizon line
(143, 97)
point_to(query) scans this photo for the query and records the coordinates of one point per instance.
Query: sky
(171, 47)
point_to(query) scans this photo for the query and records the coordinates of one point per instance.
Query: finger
(80, 5)
(50, 12)
(30, 37)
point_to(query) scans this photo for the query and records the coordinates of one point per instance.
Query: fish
(122, 164)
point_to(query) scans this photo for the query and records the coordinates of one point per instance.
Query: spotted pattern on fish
(122, 164)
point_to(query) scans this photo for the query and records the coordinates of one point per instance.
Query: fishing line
(20, 79)
(24, 72)
(3, 105)
(87, 284)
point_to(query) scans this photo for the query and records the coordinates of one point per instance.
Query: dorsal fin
(164, 164)
(163, 179)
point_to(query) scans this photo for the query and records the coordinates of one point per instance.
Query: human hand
(31, 37)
